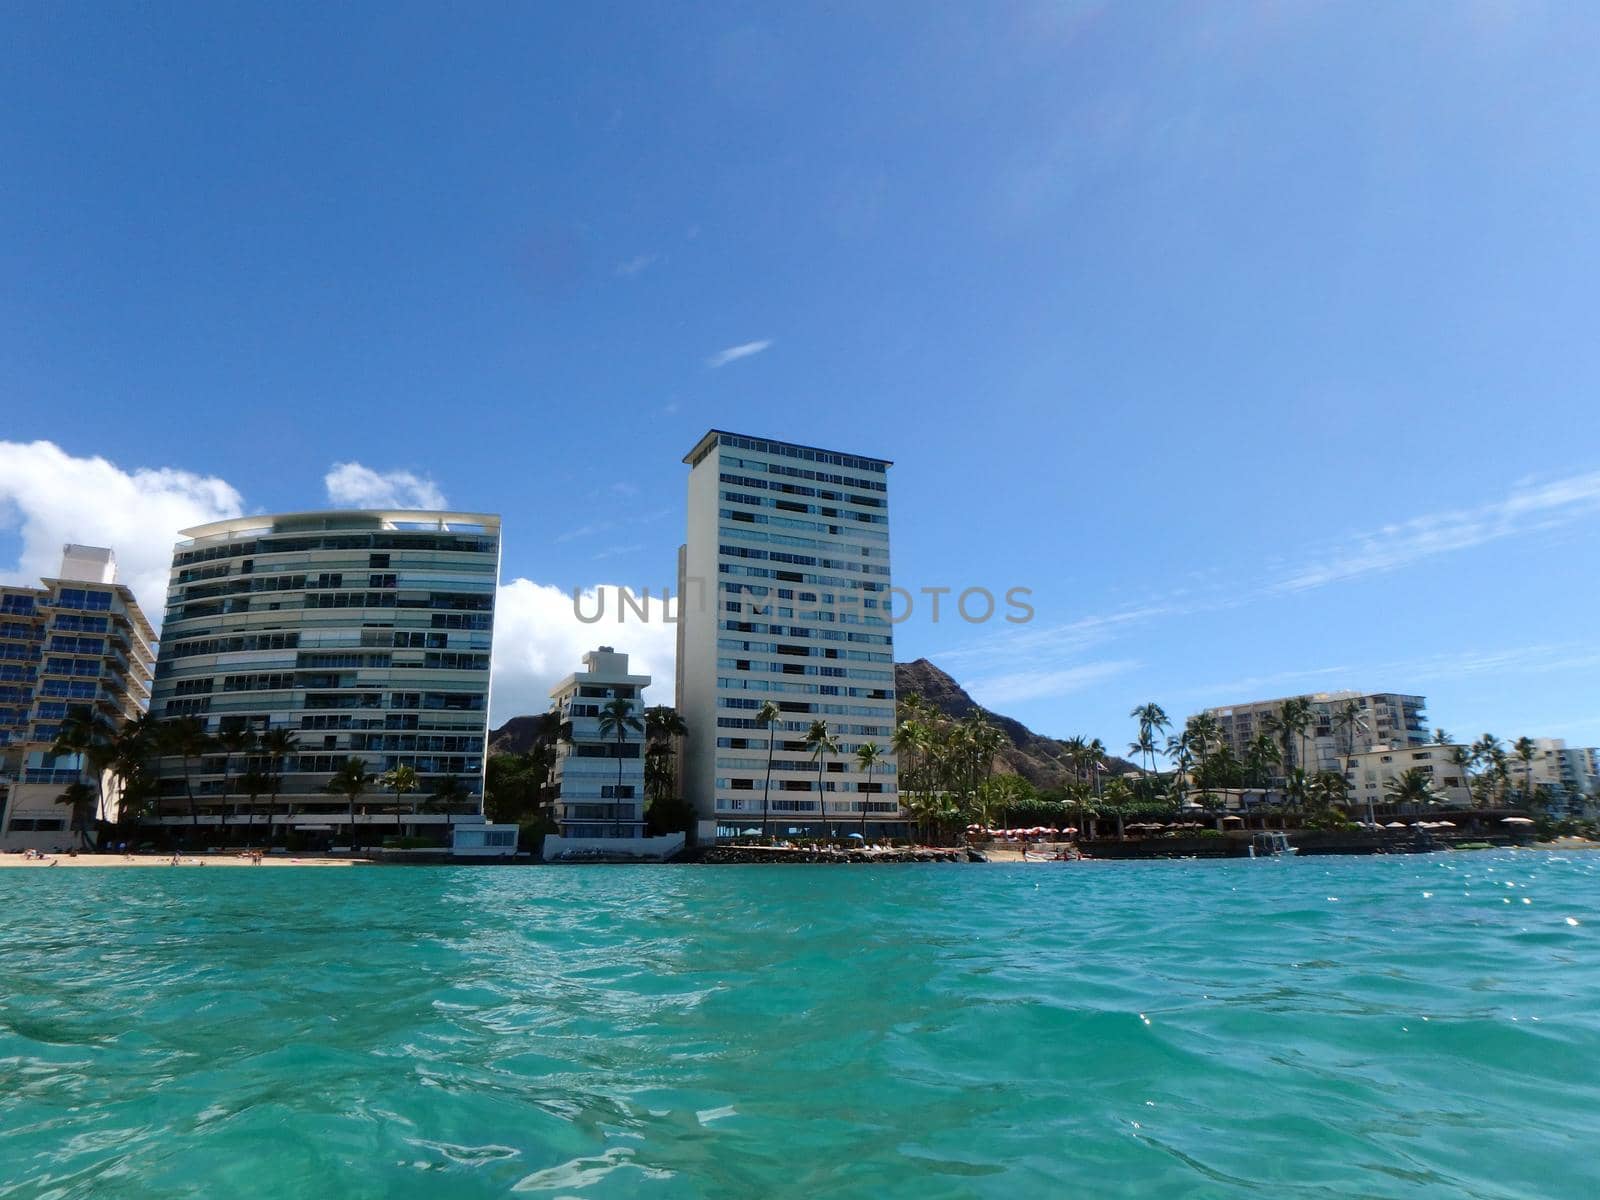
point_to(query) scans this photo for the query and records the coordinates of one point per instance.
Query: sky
(1255, 341)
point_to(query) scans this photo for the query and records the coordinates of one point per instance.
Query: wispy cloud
(615, 551)
(734, 353)
(623, 488)
(1525, 509)
(583, 531)
(1033, 685)
(636, 265)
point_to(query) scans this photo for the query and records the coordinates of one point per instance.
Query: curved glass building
(365, 634)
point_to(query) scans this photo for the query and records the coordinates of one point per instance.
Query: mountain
(522, 734)
(1038, 759)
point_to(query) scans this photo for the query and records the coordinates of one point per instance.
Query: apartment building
(1386, 719)
(364, 634)
(78, 641)
(597, 780)
(784, 596)
(1569, 774)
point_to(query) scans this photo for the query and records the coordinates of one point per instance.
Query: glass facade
(366, 634)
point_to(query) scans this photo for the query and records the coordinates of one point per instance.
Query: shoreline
(15, 858)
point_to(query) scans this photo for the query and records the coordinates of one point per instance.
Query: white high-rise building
(784, 596)
(597, 780)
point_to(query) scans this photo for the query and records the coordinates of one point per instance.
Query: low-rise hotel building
(597, 780)
(79, 641)
(784, 596)
(1369, 772)
(364, 634)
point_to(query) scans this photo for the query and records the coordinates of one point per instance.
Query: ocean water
(1419, 1026)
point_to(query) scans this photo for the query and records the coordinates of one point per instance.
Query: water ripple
(1397, 1027)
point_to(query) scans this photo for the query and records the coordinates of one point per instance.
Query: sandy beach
(165, 860)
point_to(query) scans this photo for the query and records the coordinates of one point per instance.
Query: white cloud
(734, 353)
(49, 497)
(352, 485)
(538, 639)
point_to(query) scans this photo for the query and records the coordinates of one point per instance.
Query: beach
(17, 859)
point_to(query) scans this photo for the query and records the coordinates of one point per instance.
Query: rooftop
(712, 434)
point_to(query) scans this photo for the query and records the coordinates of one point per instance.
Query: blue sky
(1256, 340)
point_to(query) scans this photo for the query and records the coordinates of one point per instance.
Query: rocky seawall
(778, 854)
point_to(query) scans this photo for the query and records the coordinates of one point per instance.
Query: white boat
(1271, 843)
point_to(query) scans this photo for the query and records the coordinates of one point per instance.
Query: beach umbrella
(1516, 821)
(750, 833)
(1444, 824)
(1395, 825)
(1070, 829)
(856, 837)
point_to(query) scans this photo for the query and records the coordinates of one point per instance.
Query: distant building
(365, 633)
(1368, 772)
(784, 596)
(1389, 719)
(598, 778)
(1569, 774)
(79, 640)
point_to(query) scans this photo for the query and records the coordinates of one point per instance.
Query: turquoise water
(1425, 1026)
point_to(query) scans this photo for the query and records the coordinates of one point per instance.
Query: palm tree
(911, 743)
(1293, 721)
(1461, 759)
(351, 781)
(185, 738)
(1441, 738)
(1413, 786)
(662, 723)
(129, 765)
(616, 719)
(867, 757)
(1260, 756)
(447, 794)
(277, 745)
(1180, 753)
(1526, 750)
(252, 783)
(1349, 722)
(1152, 720)
(1486, 756)
(402, 781)
(767, 716)
(1097, 761)
(80, 798)
(231, 742)
(822, 745)
(88, 737)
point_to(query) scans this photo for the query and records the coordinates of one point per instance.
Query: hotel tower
(783, 595)
(363, 634)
